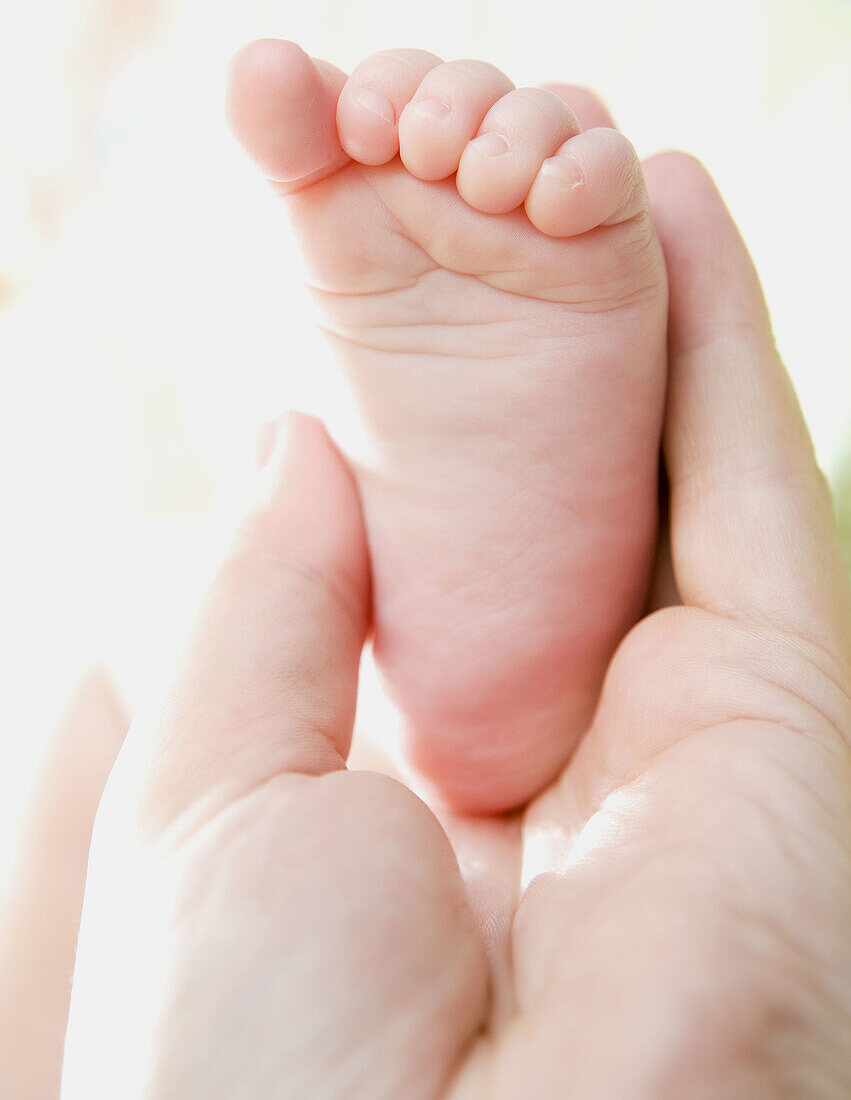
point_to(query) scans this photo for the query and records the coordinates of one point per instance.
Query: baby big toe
(281, 105)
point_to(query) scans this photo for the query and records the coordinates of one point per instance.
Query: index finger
(752, 529)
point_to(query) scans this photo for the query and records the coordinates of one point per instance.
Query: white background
(150, 312)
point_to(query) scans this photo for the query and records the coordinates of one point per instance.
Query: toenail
(377, 103)
(492, 145)
(431, 108)
(565, 170)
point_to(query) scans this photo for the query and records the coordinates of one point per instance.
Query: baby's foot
(496, 292)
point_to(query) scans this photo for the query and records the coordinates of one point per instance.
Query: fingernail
(565, 170)
(378, 103)
(431, 108)
(265, 444)
(492, 145)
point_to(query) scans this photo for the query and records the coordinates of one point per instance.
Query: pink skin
(668, 921)
(492, 282)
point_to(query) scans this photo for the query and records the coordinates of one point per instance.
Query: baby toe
(373, 98)
(445, 113)
(593, 179)
(589, 109)
(281, 107)
(519, 132)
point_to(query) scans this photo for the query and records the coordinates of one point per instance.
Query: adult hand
(670, 919)
(43, 888)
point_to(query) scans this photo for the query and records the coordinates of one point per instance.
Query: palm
(667, 920)
(634, 861)
(633, 865)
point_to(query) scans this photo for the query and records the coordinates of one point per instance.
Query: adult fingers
(240, 873)
(268, 682)
(585, 104)
(41, 913)
(752, 528)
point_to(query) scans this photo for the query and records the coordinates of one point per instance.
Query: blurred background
(150, 310)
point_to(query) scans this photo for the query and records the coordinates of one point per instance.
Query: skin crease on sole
(492, 285)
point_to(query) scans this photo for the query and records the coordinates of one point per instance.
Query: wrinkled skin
(669, 919)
